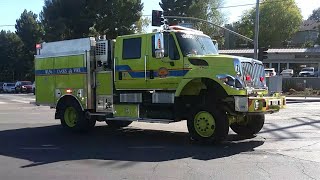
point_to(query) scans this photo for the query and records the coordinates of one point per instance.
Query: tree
(69, 19)
(11, 53)
(29, 29)
(318, 39)
(142, 24)
(203, 9)
(116, 17)
(66, 19)
(315, 15)
(279, 21)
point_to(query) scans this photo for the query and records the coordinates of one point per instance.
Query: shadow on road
(43, 145)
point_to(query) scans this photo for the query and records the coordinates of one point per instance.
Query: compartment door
(104, 91)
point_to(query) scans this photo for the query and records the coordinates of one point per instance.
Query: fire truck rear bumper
(264, 105)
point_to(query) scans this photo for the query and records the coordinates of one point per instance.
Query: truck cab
(163, 77)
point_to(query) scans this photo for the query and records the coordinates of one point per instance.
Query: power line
(6, 25)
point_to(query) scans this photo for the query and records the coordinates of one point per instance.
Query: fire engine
(167, 76)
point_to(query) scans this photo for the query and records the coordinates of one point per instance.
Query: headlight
(230, 80)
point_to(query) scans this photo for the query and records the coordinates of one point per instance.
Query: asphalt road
(34, 147)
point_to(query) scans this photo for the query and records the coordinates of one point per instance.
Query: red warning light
(38, 46)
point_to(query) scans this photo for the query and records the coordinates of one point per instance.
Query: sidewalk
(302, 99)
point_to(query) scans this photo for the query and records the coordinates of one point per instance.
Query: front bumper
(260, 104)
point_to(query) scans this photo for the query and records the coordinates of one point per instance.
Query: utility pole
(256, 32)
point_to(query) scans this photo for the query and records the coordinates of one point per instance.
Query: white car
(307, 72)
(270, 72)
(287, 73)
(9, 87)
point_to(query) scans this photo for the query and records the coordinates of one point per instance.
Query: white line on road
(3, 102)
(39, 148)
(147, 147)
(20, 101)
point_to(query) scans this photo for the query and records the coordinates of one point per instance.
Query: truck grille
(255, 71)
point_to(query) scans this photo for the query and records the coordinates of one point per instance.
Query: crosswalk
(7, 99)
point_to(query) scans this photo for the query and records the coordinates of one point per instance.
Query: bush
(289, 84)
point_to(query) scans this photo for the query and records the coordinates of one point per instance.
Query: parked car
(287, 73)
(270, 72)
(1, 87)
(23, 86)
(307, 72)
(8, 87)
(34, 87)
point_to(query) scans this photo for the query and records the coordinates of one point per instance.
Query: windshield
(10, 84)
(192, 44)
(26, 83)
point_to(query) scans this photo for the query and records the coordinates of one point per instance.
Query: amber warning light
(69, 91)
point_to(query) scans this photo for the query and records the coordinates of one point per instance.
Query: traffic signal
(262, 53)
(157, 18)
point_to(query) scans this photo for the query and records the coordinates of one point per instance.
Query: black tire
(82, 124)
(116, 124)
(252, 126)
(221, 125)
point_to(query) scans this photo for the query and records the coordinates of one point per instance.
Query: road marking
(19, 101)
(40, 148)
(146, 147)
(3, 102)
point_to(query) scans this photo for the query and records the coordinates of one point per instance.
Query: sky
(10, 10)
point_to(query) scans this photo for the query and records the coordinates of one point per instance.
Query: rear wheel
(251, 125)
(116, 124)
(208, 125)
(73, 118)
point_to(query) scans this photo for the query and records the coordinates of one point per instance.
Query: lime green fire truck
(166, 76)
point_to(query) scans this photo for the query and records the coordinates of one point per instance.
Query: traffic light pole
(256, 32)
(202, 20)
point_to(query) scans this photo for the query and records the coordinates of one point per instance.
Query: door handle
(145, 67)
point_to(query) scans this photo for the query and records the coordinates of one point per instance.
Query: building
(280, 59)
(308, 32)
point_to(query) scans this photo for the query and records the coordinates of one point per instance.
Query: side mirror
(159, 45)
(216, 44)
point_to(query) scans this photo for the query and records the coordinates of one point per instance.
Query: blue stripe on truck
(64, 71)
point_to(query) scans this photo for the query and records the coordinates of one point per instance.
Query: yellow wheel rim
(70, 116)
(204, 124)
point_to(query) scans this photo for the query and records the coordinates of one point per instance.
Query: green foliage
(279, 21)
(11, 55)
(69, 19)
(29, 30)
(308, 44)
(142, 24)
(116, 17)
(203, 9)
(315, 15)
(66, 19)
(318, 39)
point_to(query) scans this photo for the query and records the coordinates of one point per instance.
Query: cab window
(170, 47)
(131, 48)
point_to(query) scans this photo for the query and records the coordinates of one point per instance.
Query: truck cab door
(130, 63)
(167, 72)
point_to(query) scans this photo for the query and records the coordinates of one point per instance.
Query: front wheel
(208, 125)
(251, 125)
